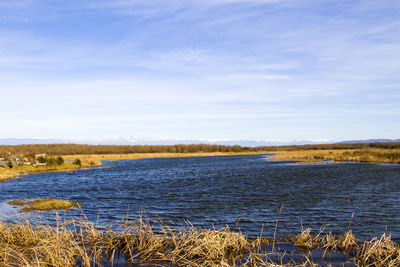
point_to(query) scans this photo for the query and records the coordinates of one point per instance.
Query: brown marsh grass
(346, 242)
(26, 244)
(80, 242)
(381, 251)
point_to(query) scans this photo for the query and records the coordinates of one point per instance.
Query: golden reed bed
(79, 241)
(343, 155)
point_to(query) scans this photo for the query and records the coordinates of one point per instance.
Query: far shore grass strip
(370, 155)
(313, 162)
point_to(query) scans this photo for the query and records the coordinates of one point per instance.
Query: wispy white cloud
(249, 68)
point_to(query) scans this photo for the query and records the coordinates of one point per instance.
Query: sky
(279, 70)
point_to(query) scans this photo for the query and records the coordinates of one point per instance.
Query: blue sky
(214, 69)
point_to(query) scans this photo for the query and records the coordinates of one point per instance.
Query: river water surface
(217, 191)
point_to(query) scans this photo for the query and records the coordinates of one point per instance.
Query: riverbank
(94, 160)
(80, 242)
(17, 171)
(370, 155)
(391, 156)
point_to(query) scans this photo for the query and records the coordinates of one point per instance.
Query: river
(224, 190)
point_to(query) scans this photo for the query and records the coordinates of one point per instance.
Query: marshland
(151, 133)
(204, 208)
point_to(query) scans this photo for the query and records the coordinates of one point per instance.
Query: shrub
(59, 161)
(77, 162)
(51, 161)
(41, 159)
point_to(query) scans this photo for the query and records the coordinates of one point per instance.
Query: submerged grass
(42, 204)
(80, 242)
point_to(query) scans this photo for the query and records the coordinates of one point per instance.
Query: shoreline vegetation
(370, 155)
(78, 157)
(80, 242)
(17, 171)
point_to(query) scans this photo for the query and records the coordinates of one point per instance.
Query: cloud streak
(213, 69)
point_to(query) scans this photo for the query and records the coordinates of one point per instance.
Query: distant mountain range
(370, 141)
(173, 141)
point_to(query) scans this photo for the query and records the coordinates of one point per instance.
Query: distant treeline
(76, 149)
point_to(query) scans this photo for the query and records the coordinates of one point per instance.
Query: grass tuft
(43, 204)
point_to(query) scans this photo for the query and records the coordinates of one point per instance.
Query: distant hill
(370, 141)
(174, 141)
(25, 141)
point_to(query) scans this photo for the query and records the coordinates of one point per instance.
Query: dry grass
(313, 162)
(24, 244)
(351, 155)
(7, 173)
(346, 242)
(196, 247)
(379, 252)
(43, 204)
(79, 241)
(375, 252)
(17, 171)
